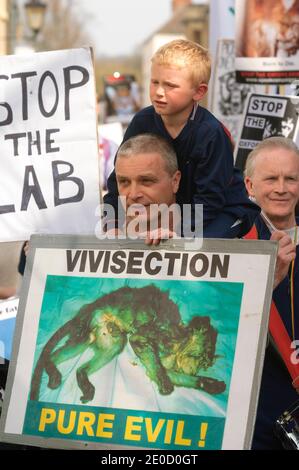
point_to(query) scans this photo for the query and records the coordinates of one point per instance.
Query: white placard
(267, 41)
(229, 97)
(266, 116)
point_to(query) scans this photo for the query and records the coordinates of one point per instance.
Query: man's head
(272, 178)
(180, 75)
(147, 172)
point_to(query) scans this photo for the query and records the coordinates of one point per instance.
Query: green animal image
(171, 352)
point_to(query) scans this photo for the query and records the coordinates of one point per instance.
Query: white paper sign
(48, 144)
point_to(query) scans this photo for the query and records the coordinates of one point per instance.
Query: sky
(120, 26)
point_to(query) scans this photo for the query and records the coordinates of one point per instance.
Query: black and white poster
(266, 116)
(48, 144)
(229, 96)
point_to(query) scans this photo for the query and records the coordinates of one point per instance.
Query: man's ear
(176, 181)
(249, 186)
(200, 91)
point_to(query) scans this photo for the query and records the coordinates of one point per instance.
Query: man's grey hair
(150, 143)
(271, 143)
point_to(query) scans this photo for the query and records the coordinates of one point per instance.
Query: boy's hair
(182, 54)
(150, 143)
(271, 143)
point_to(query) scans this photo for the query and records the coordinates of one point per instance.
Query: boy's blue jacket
(205, 159)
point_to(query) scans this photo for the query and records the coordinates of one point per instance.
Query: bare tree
(62, 29)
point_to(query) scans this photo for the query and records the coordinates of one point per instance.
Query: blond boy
(179, 80)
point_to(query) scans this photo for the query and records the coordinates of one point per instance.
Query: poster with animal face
(228, 96)
(267, 41)
(8, 312)
(266, 116)
(135, 347)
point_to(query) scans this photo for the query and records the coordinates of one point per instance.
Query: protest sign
(267, 41)
(110, 138)
(118, 345)
(266, 116)
(221, 22)
(48, 144)
(8, 313)
(228, 96)
(122, 98)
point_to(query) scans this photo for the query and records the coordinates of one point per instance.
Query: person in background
(107, 152)
(179, 80)
(123, 101)
(272, 178)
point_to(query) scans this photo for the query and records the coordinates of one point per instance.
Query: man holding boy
(179, 80)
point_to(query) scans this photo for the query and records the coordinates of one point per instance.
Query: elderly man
(272, 179)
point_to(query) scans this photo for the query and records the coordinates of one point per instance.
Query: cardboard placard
(48, 144)
(266, 116)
